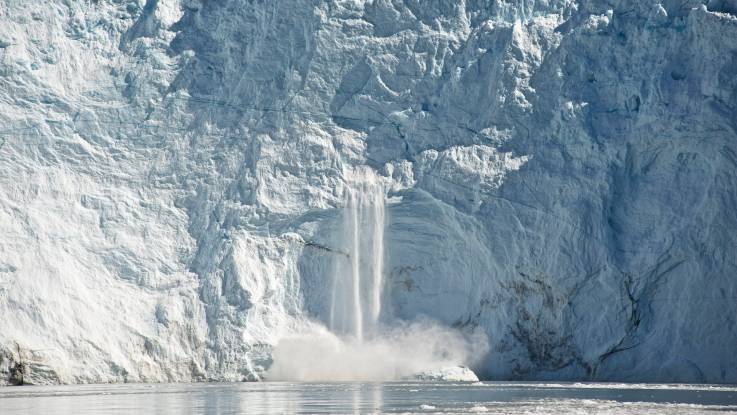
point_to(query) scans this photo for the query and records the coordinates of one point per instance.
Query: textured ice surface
(449, 374)
(560, 173)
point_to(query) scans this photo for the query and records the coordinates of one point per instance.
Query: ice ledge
(448, 374)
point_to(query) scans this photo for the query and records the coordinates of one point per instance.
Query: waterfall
(358, 278)
(354, 346)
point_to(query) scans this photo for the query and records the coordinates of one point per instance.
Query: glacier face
(560, 176)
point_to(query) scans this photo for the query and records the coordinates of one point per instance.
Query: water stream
(358, 278)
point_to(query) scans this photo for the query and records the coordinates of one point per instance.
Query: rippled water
(487, 397)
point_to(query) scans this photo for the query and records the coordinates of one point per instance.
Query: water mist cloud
(393, 353)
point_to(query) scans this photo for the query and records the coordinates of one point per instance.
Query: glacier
(560, 177)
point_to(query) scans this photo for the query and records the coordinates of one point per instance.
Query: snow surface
(560, 174)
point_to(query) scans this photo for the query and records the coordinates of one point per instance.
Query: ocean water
(347, 398)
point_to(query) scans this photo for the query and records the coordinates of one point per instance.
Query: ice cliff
(561, 175)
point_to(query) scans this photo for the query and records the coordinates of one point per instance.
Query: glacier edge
(561, 178)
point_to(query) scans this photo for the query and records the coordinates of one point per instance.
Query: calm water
(487, 397)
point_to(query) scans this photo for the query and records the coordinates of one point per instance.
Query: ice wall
(560, 176)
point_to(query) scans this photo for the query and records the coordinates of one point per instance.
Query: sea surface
(349, 398)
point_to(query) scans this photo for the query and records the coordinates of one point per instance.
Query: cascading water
(358, 278)
(354, 346)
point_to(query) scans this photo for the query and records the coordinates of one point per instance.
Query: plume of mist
(392, 353)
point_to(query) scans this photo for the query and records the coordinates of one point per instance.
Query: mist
(392, 353)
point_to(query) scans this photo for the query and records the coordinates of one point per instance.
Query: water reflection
(360, 398)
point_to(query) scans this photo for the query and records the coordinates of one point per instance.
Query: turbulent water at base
(358, 279)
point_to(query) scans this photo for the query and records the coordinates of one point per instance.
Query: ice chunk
(449, 374)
